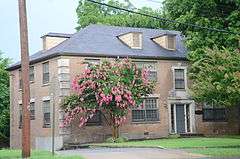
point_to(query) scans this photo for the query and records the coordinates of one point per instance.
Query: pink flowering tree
(110, 87)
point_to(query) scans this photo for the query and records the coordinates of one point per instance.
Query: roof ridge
(129, 27)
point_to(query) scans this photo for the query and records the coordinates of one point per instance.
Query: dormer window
(171, 42)
(167, 41)
(132, 39)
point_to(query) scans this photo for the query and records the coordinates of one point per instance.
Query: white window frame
(185, 77)
(146, 63)
(46, 99)
(92, 61)
(43, 73)
(158, 108)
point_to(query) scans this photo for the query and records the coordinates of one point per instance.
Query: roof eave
(94, 55)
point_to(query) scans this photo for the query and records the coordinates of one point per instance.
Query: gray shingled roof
(102, 41)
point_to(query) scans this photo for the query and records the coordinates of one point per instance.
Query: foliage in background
(89, 13)
(218, 77)
(212, 82)
(4, 99)
(112, 87)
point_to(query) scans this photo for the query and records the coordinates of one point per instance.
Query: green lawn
(15, 154)
(213, 146)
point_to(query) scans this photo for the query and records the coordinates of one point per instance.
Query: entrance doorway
(181, 118)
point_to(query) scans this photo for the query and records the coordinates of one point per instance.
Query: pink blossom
(118, 98)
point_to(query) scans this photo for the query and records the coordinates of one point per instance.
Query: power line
(155, 1)
(164, 19)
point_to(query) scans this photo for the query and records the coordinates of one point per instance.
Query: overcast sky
(43, 16)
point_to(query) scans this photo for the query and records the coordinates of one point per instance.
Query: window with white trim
(91, 62)
(179, 80)
(46, 114)
(149, 111)
(150, 66)
(31, 73)
(32, 111)
(46, 76)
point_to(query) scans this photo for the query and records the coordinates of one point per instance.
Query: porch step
(191, 135)
(71, 146)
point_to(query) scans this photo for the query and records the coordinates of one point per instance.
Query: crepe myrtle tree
(112, 87)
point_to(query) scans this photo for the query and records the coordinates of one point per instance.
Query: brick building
(169, 109)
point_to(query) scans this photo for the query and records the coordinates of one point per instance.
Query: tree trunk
(115, 132)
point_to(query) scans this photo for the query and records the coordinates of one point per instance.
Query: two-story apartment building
(168, 110)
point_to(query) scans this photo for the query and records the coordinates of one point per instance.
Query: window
(46, 73)
(46, 114)
(214, 114)
(20, 79)
(31, 76)
(149, 112)
(31, 73)
(20, 116)
(171, 42)
(32, 111)
(151, 67)
(136, 40)
(172, 118)
(179, 78)
(91, 62)
(95, 120)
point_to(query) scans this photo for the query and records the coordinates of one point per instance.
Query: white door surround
(188, 123)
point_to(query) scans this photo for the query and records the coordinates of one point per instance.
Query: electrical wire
(164, 19)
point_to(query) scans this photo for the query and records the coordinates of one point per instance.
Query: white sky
(43, 16)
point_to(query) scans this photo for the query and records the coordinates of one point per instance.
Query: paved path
(131, 153)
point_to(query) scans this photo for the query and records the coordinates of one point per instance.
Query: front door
(180, 118)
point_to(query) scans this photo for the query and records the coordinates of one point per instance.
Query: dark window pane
(152, 75)
(95, 120)
(150, 103)
(46, 114)
(179, 79)
(45, 78)
(208, 114)
(179, 84)
(31, 73)
(172, 119)
(46, 120)
(32, 111)
(152, 115)
(138, 115)
(220, 114)
(45, 73)
(214, 114)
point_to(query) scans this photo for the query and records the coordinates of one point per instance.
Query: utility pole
(25, 79)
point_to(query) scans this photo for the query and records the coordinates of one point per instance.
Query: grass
(223, 146)
(16, 154)
(218, 152)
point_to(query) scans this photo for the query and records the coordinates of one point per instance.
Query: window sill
(46, 84)
(180, 89)
(46, 126)
(145, 122)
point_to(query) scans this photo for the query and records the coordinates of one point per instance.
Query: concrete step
(191, 135)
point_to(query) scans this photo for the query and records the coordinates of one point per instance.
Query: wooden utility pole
(25, 79)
